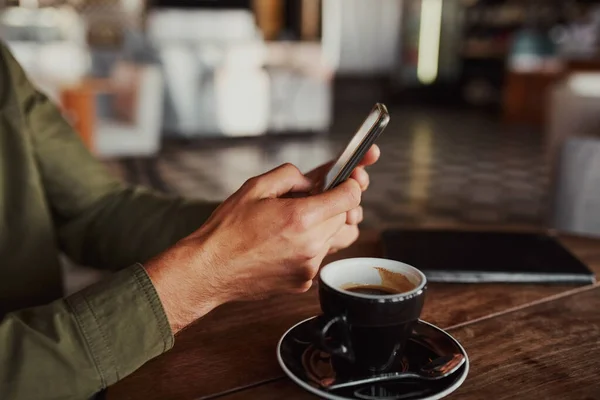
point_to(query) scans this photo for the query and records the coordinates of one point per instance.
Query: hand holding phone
(357, 147)
(354, 152)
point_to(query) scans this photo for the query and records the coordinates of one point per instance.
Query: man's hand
(349, 233)
(255, 244)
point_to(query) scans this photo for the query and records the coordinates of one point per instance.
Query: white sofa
(573, 151)
(574, 110)
(576, 203)
(222, 79)
(301, 88)
(213, 67)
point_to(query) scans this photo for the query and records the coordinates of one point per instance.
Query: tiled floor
(436, 165)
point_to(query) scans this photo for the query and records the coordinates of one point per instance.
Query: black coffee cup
(369, 308)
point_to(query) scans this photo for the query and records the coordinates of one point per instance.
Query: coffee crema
(376, 290)
(391, 283)
(399, 282)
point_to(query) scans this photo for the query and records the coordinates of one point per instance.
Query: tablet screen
(459, 256)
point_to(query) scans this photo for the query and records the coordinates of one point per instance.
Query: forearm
(175, 274)
(75, 347)
(129, 225)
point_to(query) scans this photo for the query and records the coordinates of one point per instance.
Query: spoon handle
(435, 369)
(376, 379)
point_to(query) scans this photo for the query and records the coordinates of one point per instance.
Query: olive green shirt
(57, 198)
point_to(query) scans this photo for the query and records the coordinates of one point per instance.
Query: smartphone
(357, 147)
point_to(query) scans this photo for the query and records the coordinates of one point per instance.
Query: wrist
(179, 277)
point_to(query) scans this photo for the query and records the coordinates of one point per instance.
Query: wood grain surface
(546, 351)
(234, 346)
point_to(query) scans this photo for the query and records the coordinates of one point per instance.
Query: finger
(326, 230)
(319, 171)
(321, 235)
(371, 156)
(302, 287)
(318, 260)
(345, 237)
(354, 216)
(361, 176)
(310, 269)
(281, 180)
(323, 206)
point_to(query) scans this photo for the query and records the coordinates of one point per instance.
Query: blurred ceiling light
(429, 41)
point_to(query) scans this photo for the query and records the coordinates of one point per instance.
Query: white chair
(573, 152)
(576, 204)
(574, 110)
(213, 63)
(242, 92)
(142, 136)
(301, 88)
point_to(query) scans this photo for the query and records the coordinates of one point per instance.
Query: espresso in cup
(377, 290)
(391, 283)
(369, 308)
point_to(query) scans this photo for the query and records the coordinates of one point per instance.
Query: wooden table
(523, 340)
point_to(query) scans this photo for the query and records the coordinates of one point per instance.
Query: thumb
(282, 180)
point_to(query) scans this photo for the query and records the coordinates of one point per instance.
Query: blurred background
(495, 104)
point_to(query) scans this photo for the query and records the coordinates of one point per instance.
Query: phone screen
(354, 144)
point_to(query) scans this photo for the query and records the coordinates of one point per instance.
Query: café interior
(494, 106)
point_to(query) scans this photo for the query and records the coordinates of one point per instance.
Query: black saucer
(312, 369)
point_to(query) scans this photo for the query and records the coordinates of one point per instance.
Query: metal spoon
(436, 369)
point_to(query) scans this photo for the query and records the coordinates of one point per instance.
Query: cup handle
(344, 348)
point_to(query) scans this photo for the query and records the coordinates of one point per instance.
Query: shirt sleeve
(99, 221)
(75, 347)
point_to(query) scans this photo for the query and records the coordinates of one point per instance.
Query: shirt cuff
(123, 322)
